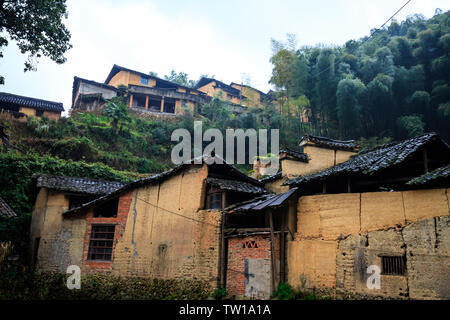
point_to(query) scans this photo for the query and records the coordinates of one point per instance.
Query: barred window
(393, 265)
(101, 242)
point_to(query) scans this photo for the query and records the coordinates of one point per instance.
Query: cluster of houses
(144, 93)
(329, 221)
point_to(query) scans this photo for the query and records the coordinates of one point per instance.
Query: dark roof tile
(34, 103)
(372, 161)
(5, 210)
(233, 185)
(349, 145)
(440, 174)
(78, 185)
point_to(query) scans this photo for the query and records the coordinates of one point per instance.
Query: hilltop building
(147, 93)
(22, 107)
(322, 223)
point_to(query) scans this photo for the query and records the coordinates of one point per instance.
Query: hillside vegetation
(395, 84)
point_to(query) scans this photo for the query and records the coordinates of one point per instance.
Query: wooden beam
(324, 187)
(146, 102)
(272, 251)
(282, 247)
(162, 104)
(223, 258)
(425, 160)
(131, 100)
(246, 230)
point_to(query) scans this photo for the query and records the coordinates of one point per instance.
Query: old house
(318, 153)
(328, 227)
(54, 195)
(22, 107)
(240, 96)
(145, 93)
(164, 226)
(5, 210)
(364, 212)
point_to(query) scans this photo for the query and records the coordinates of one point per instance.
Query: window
(393, 265)
(144, 81)
(107, 209)
(101, 242)
(215, 200)
(39, 113)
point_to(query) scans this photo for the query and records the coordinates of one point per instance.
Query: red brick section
(237, 254)
(119, 221)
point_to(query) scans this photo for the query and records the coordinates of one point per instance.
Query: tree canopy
(37, 27)
(394, 84)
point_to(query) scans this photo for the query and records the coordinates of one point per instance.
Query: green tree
(117, 111)
(410, 126)
(348, 106)
(37, 28)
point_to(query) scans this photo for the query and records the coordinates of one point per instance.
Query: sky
(229, 40)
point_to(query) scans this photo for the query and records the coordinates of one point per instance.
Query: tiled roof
(372, 161)
(76, 83)
(440, 174)
(261, 203)
(273, 177)
(233, 185)
(34, 103)
(5, 210)
(156, 179)
(349, 145)
(78, 185)
(219, 84)
(297, 155)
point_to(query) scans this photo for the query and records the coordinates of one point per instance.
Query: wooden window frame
(108, 241)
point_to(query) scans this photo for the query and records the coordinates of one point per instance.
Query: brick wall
(119, 221)
(237, 254)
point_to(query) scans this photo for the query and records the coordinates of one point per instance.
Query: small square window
(144, 81)
(215, 200)
(107, 209)
(393, 265)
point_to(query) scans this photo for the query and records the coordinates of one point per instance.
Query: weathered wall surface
(61, 240)
(364, 227)
(159, 242)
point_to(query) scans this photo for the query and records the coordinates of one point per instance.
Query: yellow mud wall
(312, 263)
(325, 221)
(167, 234)
(28, 111)
(292, 167)
(52, 115)
(127, 78)
(61, 240)
(320, 158)
(275, 186)
(342, 156)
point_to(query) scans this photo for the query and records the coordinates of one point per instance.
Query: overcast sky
(222, 38)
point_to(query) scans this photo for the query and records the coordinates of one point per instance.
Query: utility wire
(177, 214)
(367, 39)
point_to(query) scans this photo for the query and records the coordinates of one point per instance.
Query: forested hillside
(394, 84)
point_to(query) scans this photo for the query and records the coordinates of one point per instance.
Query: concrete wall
(339, 235)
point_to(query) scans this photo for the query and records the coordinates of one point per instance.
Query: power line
(177, 214)
(367, 39)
